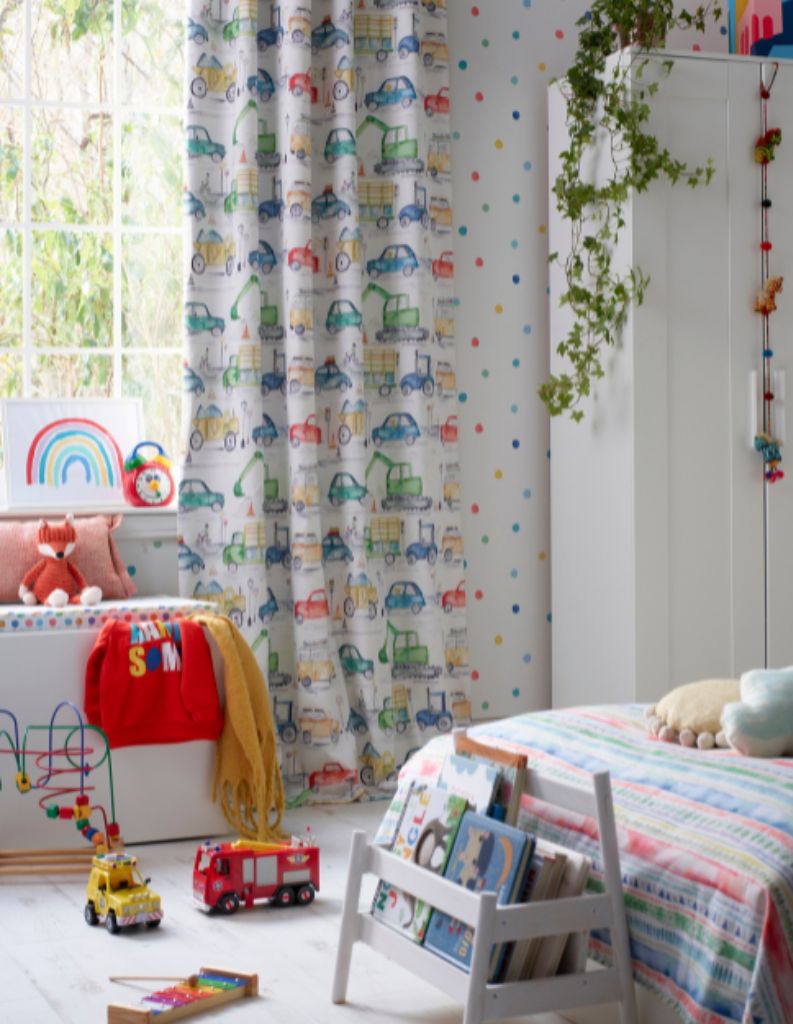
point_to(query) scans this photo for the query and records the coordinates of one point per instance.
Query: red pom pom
(769, 396)
(764, 93)
(766, 246)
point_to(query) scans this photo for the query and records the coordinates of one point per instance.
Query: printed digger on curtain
(320, 492)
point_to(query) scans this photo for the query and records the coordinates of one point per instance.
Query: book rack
(493, 923)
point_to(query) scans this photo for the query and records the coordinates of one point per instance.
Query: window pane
(10, 375)
(152, 290)
(151, 170)
(12, 51)
(72, 376)
(157, 379)
(152, 49)
(72, 289)
(72, 155)
(10, 163)
(72, 50)
(10, 288)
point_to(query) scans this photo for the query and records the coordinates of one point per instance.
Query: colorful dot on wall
(696, 47)
(516, 198)
(526, 659)
(475, 676)
(541, 66)
(479, 428)
(479, 96)
(723, 30)
(463, 397)
(499, 143)
(541, 229)
(516, 115)
(498, 639)
(515, 443)
(486, 703)
(513, 573)
(527, 165)
(516, 363)
(475, 11)
(527, 328)
(516, 34)
(516, 691)
(485, 539)
(548, 617)
(498, 308)
(513, 408)
(485, 207)
(499, 474)
(475, 509)
(474, 342)
(158, 543)
(462, 64)
(515, 609)
(516, 278)
(485, 43)
(485, 373)
(559, 34)
(132, 569)
(541, 556)
(516, 527)
(514, 80)
(474, 175)
(478, 594)
(514, 243)
(479, 262)
(462, 230)
(527, 493)
(456, 136)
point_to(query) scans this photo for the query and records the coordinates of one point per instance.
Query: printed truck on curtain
(320, 495)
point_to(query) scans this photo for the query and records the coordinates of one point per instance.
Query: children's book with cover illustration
(487, 856)
(425, 835)
(387, 829)
(471, 778)
(511, 765)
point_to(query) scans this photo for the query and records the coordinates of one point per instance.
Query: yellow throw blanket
(247, 780)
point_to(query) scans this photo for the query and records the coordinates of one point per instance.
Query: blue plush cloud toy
(761, 723)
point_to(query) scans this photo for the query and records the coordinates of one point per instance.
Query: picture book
(487, 856)
(471, 778)
(425, 835)
(542, 883)
(387, 829)
(512, 766)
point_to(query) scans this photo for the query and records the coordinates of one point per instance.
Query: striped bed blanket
(706, 848)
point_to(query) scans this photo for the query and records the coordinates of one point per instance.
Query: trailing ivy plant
(611, 105)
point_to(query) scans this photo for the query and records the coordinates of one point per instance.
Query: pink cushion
(95, 555)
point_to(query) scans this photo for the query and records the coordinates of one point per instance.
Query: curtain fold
(320, 493)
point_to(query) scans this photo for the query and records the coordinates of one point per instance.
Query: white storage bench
(161, 791)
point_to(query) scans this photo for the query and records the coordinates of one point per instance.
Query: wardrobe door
(778, 496)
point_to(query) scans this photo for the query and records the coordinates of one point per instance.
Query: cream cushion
(691, 714)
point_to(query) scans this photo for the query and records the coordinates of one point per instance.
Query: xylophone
(207, 990)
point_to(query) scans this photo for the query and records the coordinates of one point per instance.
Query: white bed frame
(493, 923)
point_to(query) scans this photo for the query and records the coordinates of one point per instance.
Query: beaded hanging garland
(764, 151)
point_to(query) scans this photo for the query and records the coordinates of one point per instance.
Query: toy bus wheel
(289, 733)
(196, 440)
(198, 263)
(349, 607)
(90, 914)
(198, 87)
(341, 91)
(111, 923)
(305, 894)
(342, 263)
(444, 722)
(307, 737)
(285, 897)
(228, 903)
(367, 775)
(448, 554)
(345, 434)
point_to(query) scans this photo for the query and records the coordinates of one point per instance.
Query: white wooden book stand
(494, 923)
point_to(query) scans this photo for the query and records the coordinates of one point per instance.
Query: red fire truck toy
(227, 874)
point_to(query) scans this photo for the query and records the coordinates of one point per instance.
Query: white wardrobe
(672, 559)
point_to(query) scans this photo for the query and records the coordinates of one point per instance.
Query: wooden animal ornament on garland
(54, 580)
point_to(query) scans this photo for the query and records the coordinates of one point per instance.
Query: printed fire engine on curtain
(320, 494)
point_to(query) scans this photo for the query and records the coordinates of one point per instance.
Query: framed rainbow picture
(68, 454)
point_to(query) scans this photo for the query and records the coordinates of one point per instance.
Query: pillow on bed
(760, 724)
(691, 714)
(95, 555)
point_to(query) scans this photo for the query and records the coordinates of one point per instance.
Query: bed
(706, 846)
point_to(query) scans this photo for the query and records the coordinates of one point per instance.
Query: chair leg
(348, 931)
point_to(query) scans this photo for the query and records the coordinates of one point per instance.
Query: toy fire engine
(228, 874)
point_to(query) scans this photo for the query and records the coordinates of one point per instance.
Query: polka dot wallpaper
(504, 54)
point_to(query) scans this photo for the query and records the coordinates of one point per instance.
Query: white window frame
(116, 228)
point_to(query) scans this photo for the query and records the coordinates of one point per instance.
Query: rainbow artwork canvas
(68, 454)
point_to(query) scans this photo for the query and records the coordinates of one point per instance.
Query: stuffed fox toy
(55, 580)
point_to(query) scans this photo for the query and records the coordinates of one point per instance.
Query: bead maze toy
(208, 990)
(55, 762)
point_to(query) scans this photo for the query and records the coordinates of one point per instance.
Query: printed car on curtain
(320, 493)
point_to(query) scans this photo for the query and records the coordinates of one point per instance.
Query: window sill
(138, 523)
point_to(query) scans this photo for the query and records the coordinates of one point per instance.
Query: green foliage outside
(72, 179)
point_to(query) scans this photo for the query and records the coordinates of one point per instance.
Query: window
(90, 203)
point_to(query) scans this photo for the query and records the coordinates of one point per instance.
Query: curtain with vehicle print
(320, 492)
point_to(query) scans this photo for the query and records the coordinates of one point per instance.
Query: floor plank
(54, 969)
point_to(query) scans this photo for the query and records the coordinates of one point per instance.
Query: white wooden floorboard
(54, 968)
